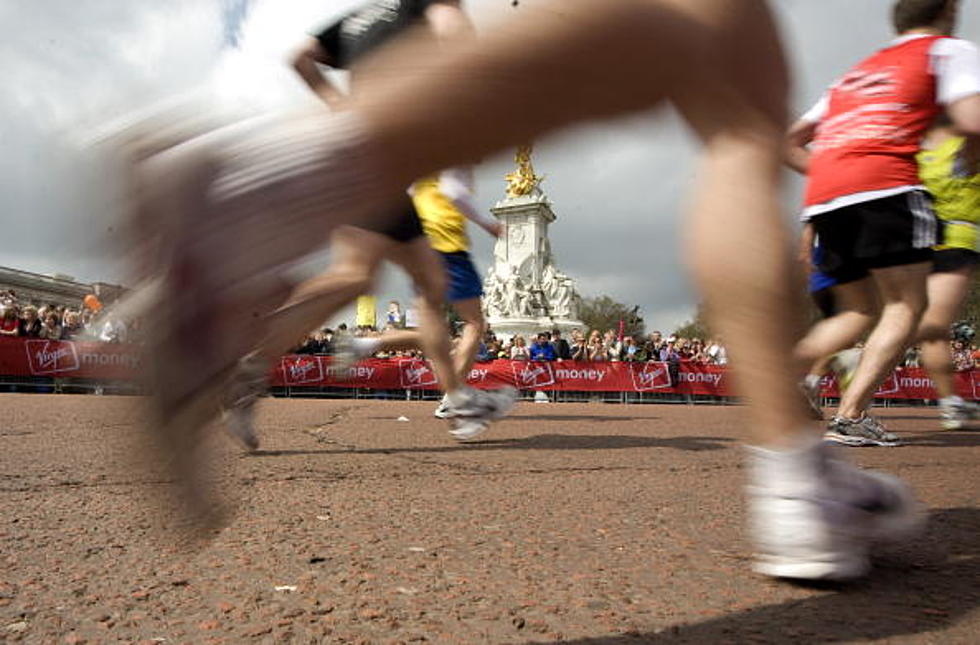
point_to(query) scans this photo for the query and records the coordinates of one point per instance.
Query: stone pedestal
(524, 292)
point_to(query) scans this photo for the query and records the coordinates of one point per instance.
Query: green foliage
(604, 313)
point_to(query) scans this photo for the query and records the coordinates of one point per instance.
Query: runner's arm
(796, 154)
(958, 83)
(457, 185)
(306, 63)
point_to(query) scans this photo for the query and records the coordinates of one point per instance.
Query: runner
(288, 179)
(871, 215)
(950, 169)
(443, 202)
(359, 251)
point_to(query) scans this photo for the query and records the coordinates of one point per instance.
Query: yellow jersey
(442, 221)
(956, 192)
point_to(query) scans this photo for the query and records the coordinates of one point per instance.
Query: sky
(617, 188)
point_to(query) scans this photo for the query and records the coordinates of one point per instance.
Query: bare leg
(903, 294)
(357, 255)
(947, 291)
(471, 311)
(857, 304)
(425, 268)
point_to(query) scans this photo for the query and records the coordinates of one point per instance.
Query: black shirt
(369, 27)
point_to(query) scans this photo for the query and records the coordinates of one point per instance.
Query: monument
(524, 292)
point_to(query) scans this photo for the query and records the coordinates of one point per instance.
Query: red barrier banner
(31, 357)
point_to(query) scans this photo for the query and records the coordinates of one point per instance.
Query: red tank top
(876, 117)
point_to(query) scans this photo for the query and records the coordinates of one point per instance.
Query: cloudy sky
(616, 187)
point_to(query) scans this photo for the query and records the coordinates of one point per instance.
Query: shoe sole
(858, 442)
(841, 570)
(469, 430)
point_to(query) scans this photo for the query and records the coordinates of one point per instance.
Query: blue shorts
(464, 281)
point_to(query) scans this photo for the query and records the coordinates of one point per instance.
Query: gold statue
(522, 181)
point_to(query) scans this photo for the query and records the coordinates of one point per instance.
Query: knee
(930, 330)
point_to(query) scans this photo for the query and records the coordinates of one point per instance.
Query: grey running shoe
(245, 387)
(816, 517)
(866, 431)
(956, 413)
(473, 416)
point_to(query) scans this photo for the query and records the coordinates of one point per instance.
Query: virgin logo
(889, 386)
(51, 357)
(297, 371)
(414, 372)
(651, 376)
(531, 375)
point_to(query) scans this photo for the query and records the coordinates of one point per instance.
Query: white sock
(791, 465)
(812, 380)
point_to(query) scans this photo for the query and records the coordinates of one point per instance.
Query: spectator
(394, 316)
(716, 353)
(632, 352)
(519, 350)
(30, 323)
(9, 321)
(71, 324)
(580, 348)
(113, 330)
(51, 327)
(611, 344)
(597, 350)
(962, 357)
(542, 349)
(563, 351)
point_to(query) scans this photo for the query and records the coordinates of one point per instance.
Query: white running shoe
(473, 416)
(442, 412)
(815, 517)
(957, 413)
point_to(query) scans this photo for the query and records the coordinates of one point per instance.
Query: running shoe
(816, 517)
(473, 416)
(957, 413)
(244, 388)
(866, 431)
(442, 412)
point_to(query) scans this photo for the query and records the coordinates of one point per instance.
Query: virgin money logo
(889, 386)
(651, 376)
(414, 372)
(302, 370)
(51, 357)
(532, 375)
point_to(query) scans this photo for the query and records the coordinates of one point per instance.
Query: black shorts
(887, 232)
(950, 260)
(403, 226)
(825, 301)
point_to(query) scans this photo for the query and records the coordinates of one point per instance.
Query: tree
(604, 313)
(697, 327)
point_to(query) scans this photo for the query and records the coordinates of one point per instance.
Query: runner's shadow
(536, 442)
(927, 586)
(944, 439)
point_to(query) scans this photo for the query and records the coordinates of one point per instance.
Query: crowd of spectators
(598, 347)
(58, 322)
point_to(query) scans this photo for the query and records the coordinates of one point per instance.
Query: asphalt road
(581, 523)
